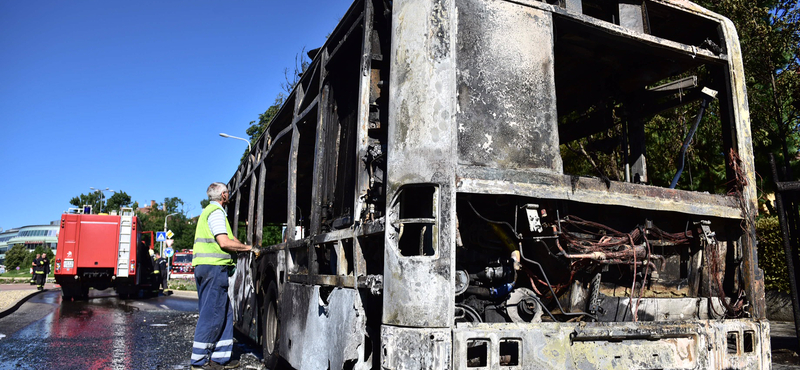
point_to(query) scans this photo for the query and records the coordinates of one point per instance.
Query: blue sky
(131, 95)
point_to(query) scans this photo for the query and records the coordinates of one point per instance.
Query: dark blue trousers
(213, 336)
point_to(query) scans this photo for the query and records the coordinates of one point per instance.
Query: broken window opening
(625, 111)
(416, 226)
(510, 350)
(477, 352)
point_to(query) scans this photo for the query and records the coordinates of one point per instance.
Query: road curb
(19, 303)
(185, 293)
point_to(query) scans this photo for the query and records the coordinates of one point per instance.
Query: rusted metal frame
(291, 185)
(681, 6)
(689, 7)
(235, 226)
(787, 185)
(308, 78)
(652, 41)
(787, 246)
(636, 152)
(632, 15)
(314, 218)
(359, 262)
(341, 258)
(259, 237)
(300, 116)
(286, 109)
(595, 191)
(325, 280)
(250, 208)
(353, 12)
(357, 23)
(316, 190)
(294, 244)
(753, 276)
(362, 119)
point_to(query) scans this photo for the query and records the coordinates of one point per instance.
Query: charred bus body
(421, 158)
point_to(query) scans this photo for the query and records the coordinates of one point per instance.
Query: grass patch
(182, 284)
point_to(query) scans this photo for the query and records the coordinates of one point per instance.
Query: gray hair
(215, 191)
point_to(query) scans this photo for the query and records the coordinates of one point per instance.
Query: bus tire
(270, 328)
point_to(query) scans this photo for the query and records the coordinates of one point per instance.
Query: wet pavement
(105, 332)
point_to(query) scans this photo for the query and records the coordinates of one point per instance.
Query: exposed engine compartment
(530, 260)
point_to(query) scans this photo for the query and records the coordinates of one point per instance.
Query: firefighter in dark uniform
(161, 266)
(156, 277)
(40, 270)
(33, 269)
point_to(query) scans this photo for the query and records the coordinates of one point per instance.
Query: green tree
(16, 257)
(31, 255)
(91, 199)
(769, 32)
(182, 226)
(173, 204)
(771, 256)
(117, 200)
(257, 128)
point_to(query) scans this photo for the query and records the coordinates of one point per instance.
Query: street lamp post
(249, 148)
(102, 195)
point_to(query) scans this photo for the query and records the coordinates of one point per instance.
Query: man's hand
(257, 251)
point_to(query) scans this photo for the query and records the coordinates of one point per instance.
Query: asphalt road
(105, 332)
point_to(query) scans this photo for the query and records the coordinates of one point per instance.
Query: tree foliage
(116, 201)
(771, 256)
(101, 204)
(16, 257)
(769, 33)
(31, 255)
(182, 226)
(91, 199)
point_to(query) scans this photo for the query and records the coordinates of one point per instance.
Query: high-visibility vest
(206, 249)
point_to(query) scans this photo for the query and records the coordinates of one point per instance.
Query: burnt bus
(418, 170)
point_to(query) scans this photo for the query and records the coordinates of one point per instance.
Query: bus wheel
(270, 327)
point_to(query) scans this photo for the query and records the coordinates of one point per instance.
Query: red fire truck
(182, 265)
(100, 252)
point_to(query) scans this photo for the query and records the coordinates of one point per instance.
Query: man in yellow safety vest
(215, 248)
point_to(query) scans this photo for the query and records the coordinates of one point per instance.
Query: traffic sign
(168, 252)
(161, 236)
(170, 234)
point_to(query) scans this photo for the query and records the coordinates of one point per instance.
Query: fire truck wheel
(271, 327)
(67, 292)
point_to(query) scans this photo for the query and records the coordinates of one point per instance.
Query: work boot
(210, 365)
(232, 364)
